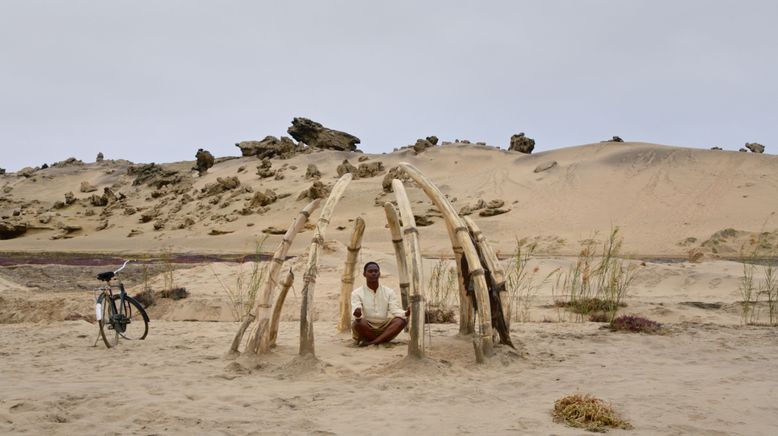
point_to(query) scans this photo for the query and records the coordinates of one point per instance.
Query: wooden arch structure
(471, 251)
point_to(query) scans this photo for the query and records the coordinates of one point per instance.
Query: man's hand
(358, 313)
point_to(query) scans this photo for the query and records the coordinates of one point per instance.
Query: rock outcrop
(222, 184)
(318, 136)
(493, 207)
(755, 147)
(370, 169)
(312, 172)
(153, 175)
(317, 190)
(522, 144)
(10, 230)
(262, 199)
(394, 173)
(263, 169)
(423, 144)
(87, 187)
(204, 161)
(346, 167)
(270, 147)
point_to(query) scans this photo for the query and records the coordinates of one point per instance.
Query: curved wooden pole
(265, 345)
(399, 251)
(463, 236)
(416, 320)
(309, 277)
(347, 280)
(466, 314)
(492, 264)
(262, 305)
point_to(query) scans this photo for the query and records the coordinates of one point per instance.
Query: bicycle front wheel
(107, 309)
(132, 320)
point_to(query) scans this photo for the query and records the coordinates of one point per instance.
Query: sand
(707, 373)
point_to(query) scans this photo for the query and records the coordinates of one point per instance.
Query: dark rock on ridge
(316, 135)
(755, 147)
(270, 147)
(522, 144)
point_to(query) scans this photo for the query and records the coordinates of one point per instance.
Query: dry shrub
(439, 315)
(694, 255)
(441, 288)
(145, 298)
(597, 281)
(598, 317)
(635, 324)
(174, 294)
(148, 297)
(243, 294)
(589, 412)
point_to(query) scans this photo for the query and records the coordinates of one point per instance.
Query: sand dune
(708, 373)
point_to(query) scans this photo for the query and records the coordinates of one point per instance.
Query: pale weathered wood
(399, 251)
(470, 254)
(273, 330)
(492, 264)
(416, 294)
(264, 296)
(347, 280)
(309, 277)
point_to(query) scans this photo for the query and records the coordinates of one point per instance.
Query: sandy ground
(706, 374)
(696, 379)
(684, 215)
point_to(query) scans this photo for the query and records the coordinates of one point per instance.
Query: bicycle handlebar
(122, 267)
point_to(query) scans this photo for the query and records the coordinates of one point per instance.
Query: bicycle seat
(106, 276)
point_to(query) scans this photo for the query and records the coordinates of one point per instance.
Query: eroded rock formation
(316, 135)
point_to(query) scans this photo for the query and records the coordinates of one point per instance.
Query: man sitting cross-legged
(378, 317)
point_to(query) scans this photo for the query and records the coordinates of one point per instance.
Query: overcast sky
(152, 81)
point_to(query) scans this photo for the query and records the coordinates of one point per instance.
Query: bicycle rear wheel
(133, 322)
(107, 325)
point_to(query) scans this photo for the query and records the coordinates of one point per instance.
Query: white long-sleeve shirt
(376, 306)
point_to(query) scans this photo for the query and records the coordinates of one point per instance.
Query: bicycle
(118, 314)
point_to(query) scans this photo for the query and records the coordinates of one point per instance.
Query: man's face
(372, 273)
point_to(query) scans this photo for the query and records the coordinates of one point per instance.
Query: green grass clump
(600, 279)
(589, 305)
(588, 412)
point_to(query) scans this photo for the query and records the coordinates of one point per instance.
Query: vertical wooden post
(463, 237)
(309, 277)
(416, 297)
(347, 280)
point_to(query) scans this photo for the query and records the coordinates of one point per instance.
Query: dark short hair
(364, 270)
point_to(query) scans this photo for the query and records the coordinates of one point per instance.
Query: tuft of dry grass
(760, 280)
(243, 295)
(588, 412)
(598, 281)
(441, 288)
(521, 282)
(635, 324)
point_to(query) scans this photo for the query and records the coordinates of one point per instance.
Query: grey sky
(155, 80)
